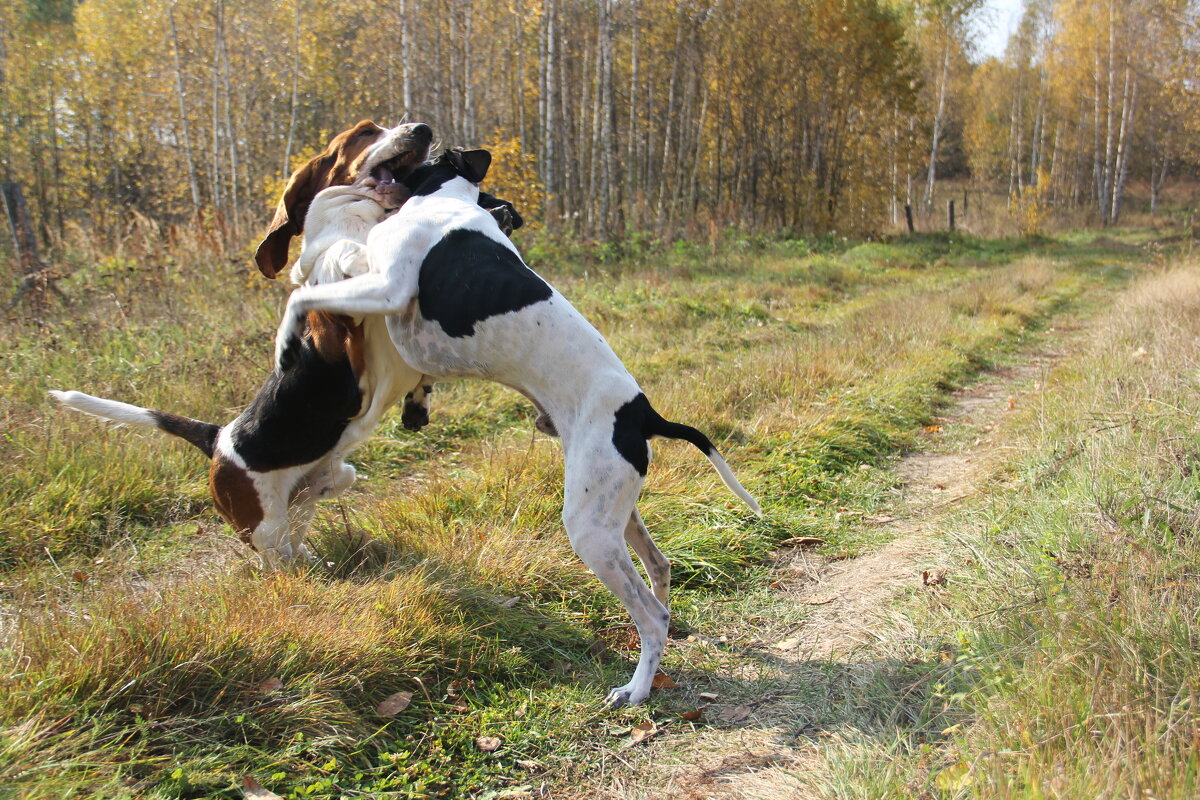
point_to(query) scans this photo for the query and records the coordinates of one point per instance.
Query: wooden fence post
(950, 214)
(908, 216)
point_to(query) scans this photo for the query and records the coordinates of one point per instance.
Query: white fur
(120, 413)
(550, 353)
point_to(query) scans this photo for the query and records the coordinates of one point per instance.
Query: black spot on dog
(468, 277)
(628, 438)
(300, 412)
(414, 416)
(201, 434)
(637, 421)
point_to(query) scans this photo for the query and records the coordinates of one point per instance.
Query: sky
(998, 19)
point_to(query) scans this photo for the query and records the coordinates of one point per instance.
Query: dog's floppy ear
(272, 253)
(337, 164)
(471, 164)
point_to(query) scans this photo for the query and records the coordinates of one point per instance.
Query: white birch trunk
(181, 96)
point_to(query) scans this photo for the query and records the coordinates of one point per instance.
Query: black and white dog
(460, 303)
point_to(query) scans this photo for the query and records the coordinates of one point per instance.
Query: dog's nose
(421, 130)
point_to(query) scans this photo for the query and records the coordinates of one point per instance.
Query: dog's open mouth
(396, 168)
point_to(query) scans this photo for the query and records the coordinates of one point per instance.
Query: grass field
(141, 655)
(1063, 660)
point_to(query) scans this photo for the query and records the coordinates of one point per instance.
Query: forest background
(611, 121)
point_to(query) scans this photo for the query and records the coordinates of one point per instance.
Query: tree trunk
(37, 279)
(1108, 175)
(20, 226)
(181, 96)
(937, 128)
(291, 138)
(549, 134)
(405, 59)
(230, 136)
(1128, 105)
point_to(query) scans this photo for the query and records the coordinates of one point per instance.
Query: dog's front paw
(504, 218)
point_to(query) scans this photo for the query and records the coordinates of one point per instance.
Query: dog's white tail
(653, 424)
(106, 409)
(202, 434)
(730, 480)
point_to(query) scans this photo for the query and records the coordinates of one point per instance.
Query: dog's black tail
(202, 434)
(638, 415)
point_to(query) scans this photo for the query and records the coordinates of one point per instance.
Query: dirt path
(790, 697)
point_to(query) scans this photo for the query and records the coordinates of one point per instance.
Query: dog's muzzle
(398, 152)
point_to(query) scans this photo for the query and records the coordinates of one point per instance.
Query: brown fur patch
(335, 337)
(236, 498)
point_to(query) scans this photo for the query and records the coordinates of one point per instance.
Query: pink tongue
(385, 175)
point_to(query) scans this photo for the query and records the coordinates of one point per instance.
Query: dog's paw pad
(617, 698)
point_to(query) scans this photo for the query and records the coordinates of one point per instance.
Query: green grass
(136, 638)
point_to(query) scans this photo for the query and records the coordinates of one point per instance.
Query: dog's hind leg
(658, 567)
(300, 517)
(596, 517)
(416, 405)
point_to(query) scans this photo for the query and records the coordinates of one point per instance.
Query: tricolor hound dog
(286, 451)
(460, 303)
(271, 464)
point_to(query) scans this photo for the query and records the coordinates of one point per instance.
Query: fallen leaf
(879, 519)
(1012, 403)
(642, 731)
(488, 744)
(693, 715)
(788, 644)
(393, 704)
(271, 685)
(954, 778)
(253, 790)
(460, 708)
(933, 428)
(819, 601)
(80, 576)
(709, 697)
(935, 577)
(801, 541)
(735, 714)
(662, 680)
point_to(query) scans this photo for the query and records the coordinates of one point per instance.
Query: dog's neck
(458, 189)
(336, 213)
(439, 178)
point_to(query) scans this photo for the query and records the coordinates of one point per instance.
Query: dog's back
(300, 412)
